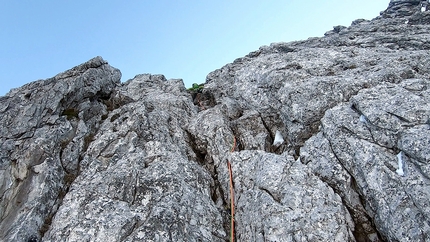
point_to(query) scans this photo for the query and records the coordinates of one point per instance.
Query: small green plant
(196, 87)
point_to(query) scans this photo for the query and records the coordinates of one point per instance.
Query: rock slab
(328, 140)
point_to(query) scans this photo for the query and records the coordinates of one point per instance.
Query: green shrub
(196, 87)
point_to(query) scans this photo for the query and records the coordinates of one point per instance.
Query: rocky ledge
(328, 140)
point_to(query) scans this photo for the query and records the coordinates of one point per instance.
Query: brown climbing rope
(231, 193)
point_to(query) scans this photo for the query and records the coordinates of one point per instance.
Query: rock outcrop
(328, 140)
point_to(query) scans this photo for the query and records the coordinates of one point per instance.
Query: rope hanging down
(231, 193)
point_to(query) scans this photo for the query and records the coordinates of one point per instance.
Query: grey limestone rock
(362, 155)
(44, 130)
(403, 7)
(294, 205)
(142, 180)
(87, 158)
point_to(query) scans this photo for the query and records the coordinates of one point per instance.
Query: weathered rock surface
(328, 140)
(140, 174)
(44, 131)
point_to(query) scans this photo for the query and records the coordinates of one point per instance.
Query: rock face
(328, 140)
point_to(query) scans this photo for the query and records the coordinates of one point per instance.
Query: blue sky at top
(180, 39)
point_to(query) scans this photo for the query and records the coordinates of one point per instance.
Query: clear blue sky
(180, 39)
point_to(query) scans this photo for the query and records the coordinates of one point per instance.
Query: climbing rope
(231, 193)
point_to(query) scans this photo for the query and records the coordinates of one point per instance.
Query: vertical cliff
(87, 158)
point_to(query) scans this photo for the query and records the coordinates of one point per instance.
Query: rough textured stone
(87, 158)
(138, 178)
(293, 204)
(367, 151)
(44, 130)
(369, 154)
